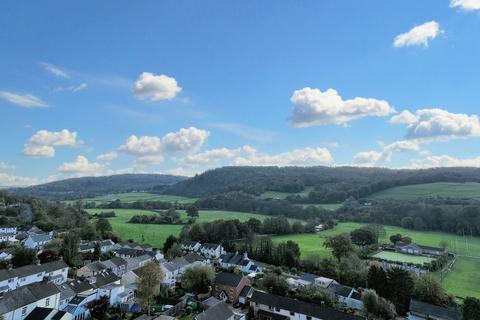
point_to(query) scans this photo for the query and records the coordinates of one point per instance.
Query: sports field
(402, 257)
(155, 234)
(438, 189)
(139, 196)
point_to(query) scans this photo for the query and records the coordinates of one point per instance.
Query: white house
(37, 241)
(191, 246)
(19, 303)
(241, 261)
(6, 254)
(8, 230)
(212, 250)
(268, 306)
(347, 296)
(117, 265)
(8, 237)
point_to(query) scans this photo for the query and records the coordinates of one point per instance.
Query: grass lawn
(155, 234)
(139, 196)
(464, 279)
(438, 189)
(402, 257)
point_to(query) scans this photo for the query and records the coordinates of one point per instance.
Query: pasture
(155, 234)
(283, 195)
(438, 189)
(326, 206)
(402, 257)
(140, 196)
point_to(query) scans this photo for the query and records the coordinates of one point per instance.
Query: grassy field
(439, 189)
(139, 196)
(462, 281)
(283, 195)
(402, 257)
(326, 206)
(155, 234)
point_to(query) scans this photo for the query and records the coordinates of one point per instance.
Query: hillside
(327, 184)
(94, 186)
(456, 190)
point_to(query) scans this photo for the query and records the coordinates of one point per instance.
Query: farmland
(438, 189)
(155, 234)
(463, 280)
(139, 196)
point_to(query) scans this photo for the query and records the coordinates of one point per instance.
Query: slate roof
(105, 278)
(308, 277)
(193, 257)
(210, 246)
(41, 237)
(79, 286)
(65, 291)
(228, 279)
(39, 313)
(341, 290)
(25, 295)
(232, 258)
(32, 269)
(189, 243)
(245, 291)
(95, 266)
(431, 310)
(220, 311)
(271, 315)
(297, 306)
(59, 315)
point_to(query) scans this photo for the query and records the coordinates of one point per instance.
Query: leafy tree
(172, 215)
(149, 283)
(169, 242)
(174, 251)
(192, 212)
(377, 307)
(377, 280)
(98, 308)
(48, 256)
(254, 225)
(198, 279)
(88, 232)
(395, 238)
(274, 284)
(471, 309)
(315, 295)
(24, 256)
(400, 285)
(429, 289)
(97, 251)
(443, 244)
(341, 245)
(69, 249)
(363, 237)
(103, 227)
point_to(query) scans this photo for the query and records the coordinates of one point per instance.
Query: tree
(400, 285)
(377, 280)
(103, 227)
(69, 249)
(172, 215)
(148, 287)
(97, 251)
(377, 307)
(363, 237)
(169, 242)
(429, 289)
(48, 255)
(88, 232)
(274, 284)
(471, 308)
(395, 238)
(443, 244)
(197, 279)
(24, 256)
(341, 245)
(98, 308)
(192, 212)
(174, 251)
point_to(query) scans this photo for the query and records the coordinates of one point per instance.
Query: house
(6, 254)
(117, 265)
(219, 311)
(425, 311)
(272, 307)
(37, 241)
(132, 245)
(8, 237)
(132, 253)
(55, 272)
(8, 230)
(174, 269)
(212, 250)
(191, 246)
(347, 296)
(242, 261)
(42, 313)
(228, 286)
(106, 245)
(138, 262)
(108, 284)
(86, 246)
(66, 295)
(89, 246)
(417, 249)
(19, 303)
(245, 295)
(91, 269)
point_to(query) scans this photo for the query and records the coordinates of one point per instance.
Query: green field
(462, 281)
(139, 196)
(155, 234)
(402, 257)
(326, 206)
(283, 195)
(438, 189)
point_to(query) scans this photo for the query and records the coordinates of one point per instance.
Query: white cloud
(7, 180)
(297, 157)
(81, 167)
(107, 156)
(419, 35)
(152, 149)
(6, 166)
(215, 155)
(445, 161)
(74, 88)
(56, 71)
(468, 5)
(151, 87)
(371, 158)
(431, 124)
(23, 100)
(314, 107)
(43, 143)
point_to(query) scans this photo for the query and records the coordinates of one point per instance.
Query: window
(292, 313)
(47, 302)
(309, 318)
(24, 311)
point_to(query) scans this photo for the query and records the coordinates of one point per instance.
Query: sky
(90, 88)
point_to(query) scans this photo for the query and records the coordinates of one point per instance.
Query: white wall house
(212, 250)
(191, 246)
(37, 241)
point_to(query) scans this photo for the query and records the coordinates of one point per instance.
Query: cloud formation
(297, 157)
(75, 88)
(419, 35)
(56, 71)
(23, 100)
(43, 143)
(213, 156)
(468, 5)
(107, 156)
(372, 158)
(151, 87)
(445, 161)
(80, 167)
(313, 107)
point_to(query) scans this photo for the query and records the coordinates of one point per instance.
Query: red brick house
(228, 286)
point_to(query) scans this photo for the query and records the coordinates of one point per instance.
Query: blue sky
(93, 88)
